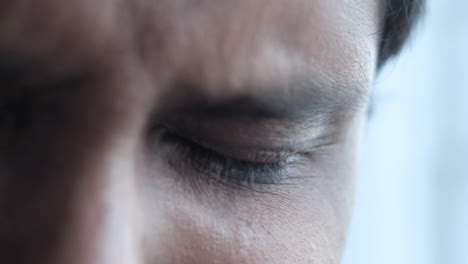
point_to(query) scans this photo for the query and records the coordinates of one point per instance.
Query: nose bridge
(103, 221)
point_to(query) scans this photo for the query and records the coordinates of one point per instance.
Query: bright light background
(412, 196)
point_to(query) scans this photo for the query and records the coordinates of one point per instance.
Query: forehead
(210, 44)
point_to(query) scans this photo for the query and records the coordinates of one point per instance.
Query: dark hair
(400, 18)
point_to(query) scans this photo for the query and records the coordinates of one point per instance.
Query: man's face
(181, 131)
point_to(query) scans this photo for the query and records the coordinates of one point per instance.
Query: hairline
(400, 18)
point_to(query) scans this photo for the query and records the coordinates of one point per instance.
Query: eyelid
(290, 137)
(217, 166)
(260, 154)
(243, 155)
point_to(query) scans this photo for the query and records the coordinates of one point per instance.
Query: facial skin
(163, 131)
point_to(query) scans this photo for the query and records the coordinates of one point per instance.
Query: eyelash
(219, 167)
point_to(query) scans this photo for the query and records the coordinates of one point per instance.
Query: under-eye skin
(259, 169)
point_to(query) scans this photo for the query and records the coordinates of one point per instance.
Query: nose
(102, 227)
(69, 195)
(77, 214)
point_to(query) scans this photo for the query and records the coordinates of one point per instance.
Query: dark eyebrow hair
(304, 96)
(14, 68)
(299, 99)
(25, 76)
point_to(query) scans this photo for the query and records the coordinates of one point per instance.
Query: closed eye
(221, 168)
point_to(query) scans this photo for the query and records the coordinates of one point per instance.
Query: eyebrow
(22, 76)
(298, 100)
(303, 97)
(13, 68)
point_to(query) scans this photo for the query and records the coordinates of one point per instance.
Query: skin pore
(181, 131)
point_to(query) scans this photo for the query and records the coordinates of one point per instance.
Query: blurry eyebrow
(297, 100)
(302, 97)
(13, 68)
(23, 75)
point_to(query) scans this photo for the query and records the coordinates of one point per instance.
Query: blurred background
(412, 202)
